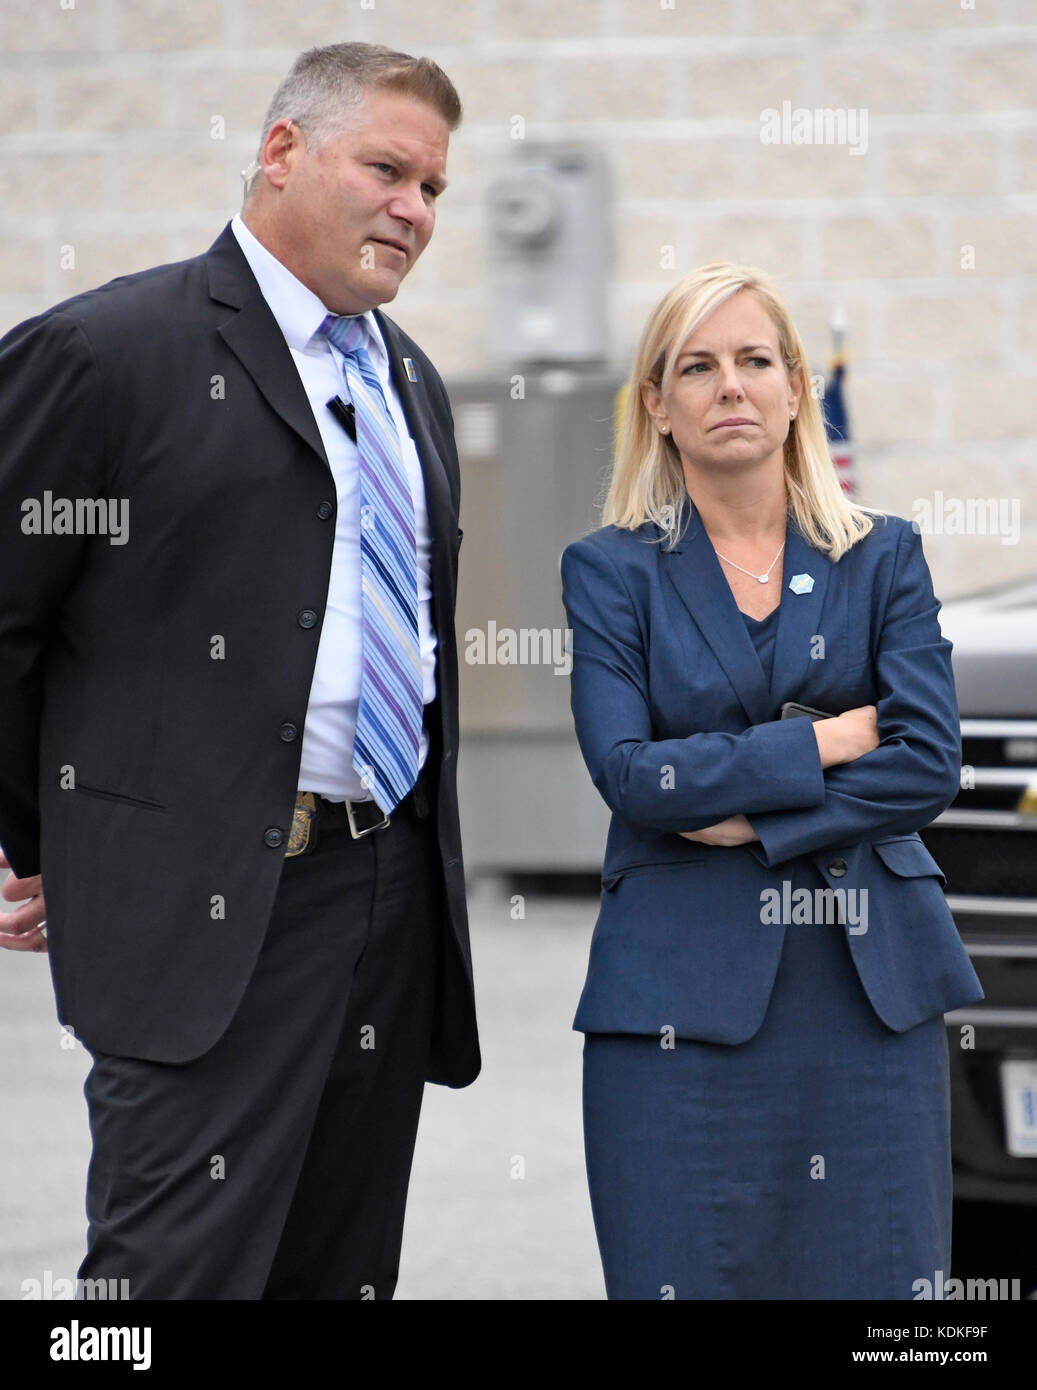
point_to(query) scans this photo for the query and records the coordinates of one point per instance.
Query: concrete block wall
(129, 120)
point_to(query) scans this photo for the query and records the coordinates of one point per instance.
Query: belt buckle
(354, 830)
(302, 824)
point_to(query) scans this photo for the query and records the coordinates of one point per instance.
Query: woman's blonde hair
(647, 480)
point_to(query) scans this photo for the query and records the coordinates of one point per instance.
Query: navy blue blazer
(679, 730)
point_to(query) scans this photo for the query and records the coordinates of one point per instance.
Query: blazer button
(324, 510)
(273, 837)
(288, 732)
(837, 868)
(307, 618)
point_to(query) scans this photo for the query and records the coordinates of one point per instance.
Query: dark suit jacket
(679, 731)
(174, 389)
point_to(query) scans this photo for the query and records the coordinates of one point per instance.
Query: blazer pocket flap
(908, 858)
(611, 876)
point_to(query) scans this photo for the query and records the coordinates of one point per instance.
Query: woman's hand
(848, 736)
(840, 740)
(736, 830)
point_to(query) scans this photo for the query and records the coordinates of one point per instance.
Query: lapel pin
(801, 583)
(409, 367)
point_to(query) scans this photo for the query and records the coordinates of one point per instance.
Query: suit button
(273, 837)
(324, 510)
(288, 732)
(307, 618)
(837, 868)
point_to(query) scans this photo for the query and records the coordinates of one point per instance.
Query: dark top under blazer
(175, 389)
(679, 730)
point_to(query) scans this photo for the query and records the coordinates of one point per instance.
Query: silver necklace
(763, 578)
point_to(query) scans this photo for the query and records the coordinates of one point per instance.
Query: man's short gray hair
(326, 87)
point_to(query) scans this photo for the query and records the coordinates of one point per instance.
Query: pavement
(498, 1205)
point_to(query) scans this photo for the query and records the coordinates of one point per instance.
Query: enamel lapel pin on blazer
(801, 583)
(408, 367)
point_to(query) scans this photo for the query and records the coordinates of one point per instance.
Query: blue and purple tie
(390, 713)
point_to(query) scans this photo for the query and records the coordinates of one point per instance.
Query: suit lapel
(694, 571)
(256, 340)
(258, 343)
(415, 402)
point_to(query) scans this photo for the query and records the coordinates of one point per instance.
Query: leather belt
(314, 812)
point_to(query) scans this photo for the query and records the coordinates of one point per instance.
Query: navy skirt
(811, 1162)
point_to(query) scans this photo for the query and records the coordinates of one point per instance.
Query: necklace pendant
(763, 578)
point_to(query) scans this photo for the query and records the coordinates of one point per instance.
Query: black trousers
(276, 1165)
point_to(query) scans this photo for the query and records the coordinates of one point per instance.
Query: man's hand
(24, 928)
(736, 830)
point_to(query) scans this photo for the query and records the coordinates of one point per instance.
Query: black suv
(986, 844)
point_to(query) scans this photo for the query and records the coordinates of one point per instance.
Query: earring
(664, 429)
(792, 416)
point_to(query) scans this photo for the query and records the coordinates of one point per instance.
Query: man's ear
(283, 143)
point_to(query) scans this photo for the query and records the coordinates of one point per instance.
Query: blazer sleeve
(658, 785)
(915, 772)
(51, 425)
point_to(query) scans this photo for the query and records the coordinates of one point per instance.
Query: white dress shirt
(327, 746)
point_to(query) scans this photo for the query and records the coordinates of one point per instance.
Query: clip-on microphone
(345, 413)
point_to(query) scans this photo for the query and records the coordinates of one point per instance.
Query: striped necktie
(391, 710)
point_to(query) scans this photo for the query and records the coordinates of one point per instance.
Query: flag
(837, 426)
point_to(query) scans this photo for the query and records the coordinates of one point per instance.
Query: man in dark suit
(228, 729)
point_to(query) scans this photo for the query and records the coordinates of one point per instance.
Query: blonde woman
(765, 1064)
